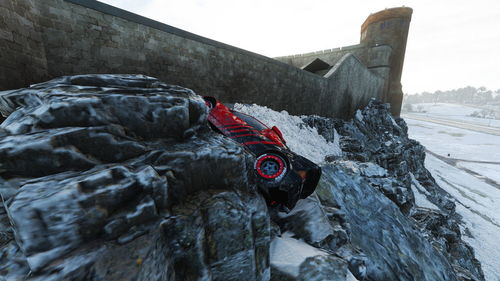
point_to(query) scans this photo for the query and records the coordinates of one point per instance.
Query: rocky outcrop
(118, 177)
(377, 148)
(395, 250)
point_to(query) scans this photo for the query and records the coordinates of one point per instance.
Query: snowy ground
(455, 112)
(471, 174)
(491, 171)
(459, 143)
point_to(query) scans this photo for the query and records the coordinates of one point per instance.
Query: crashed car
(283, 176)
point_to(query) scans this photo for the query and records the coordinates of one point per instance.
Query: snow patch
(359, 115)
(300, 138)
(420, 194)
(287, 254)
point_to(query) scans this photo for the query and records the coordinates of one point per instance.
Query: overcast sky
(452, 43)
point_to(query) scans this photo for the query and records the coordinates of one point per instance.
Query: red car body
(283, 176)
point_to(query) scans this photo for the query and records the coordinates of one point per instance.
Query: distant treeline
(467, 95)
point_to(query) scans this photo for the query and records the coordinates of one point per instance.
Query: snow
(491, 171)
(459, 143)
(420, 194)
(445, 109)
(479, 205)
(476, 198)
(287, 254)
(300, 138)
(359, 115)
(455, 112)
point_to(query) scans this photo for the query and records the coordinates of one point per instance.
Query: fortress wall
(376, 58)
(331, 56)
(382, 49)
(370, 63)
(66, 37)
(390, 27)
(22, 53)
(355, 81)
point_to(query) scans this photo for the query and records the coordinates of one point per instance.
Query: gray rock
(54, 215)
(220, 237)
(445, 236)
(143, 106)
(395, 249)
(318, 225)
(375, 137)
(13, 264)
(323, 268)
(118, 177)
(106, 175)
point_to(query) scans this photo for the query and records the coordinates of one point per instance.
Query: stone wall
(391, 27)
(355, 81)
(22, 52)
(382, 49)
(331, 56)
(57, 37)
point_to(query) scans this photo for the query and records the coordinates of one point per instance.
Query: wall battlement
(326, 51)
(41, 40)
(382, 48)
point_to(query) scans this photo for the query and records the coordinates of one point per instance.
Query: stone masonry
(382, 49)
(40, 40)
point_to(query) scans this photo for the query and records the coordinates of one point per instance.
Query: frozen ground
(471, 174)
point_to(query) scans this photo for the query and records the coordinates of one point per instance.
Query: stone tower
(390, 27)
(381, 51)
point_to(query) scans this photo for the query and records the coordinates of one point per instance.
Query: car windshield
(251, 121)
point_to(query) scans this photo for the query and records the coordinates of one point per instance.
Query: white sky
(452, 43)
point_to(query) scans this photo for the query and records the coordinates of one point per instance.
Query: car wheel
(270, 166)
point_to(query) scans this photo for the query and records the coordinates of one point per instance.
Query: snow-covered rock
(118, 177)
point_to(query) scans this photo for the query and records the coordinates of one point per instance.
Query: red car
(283, 176)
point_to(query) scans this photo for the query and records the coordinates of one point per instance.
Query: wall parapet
(132, 17)
(325, 51)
